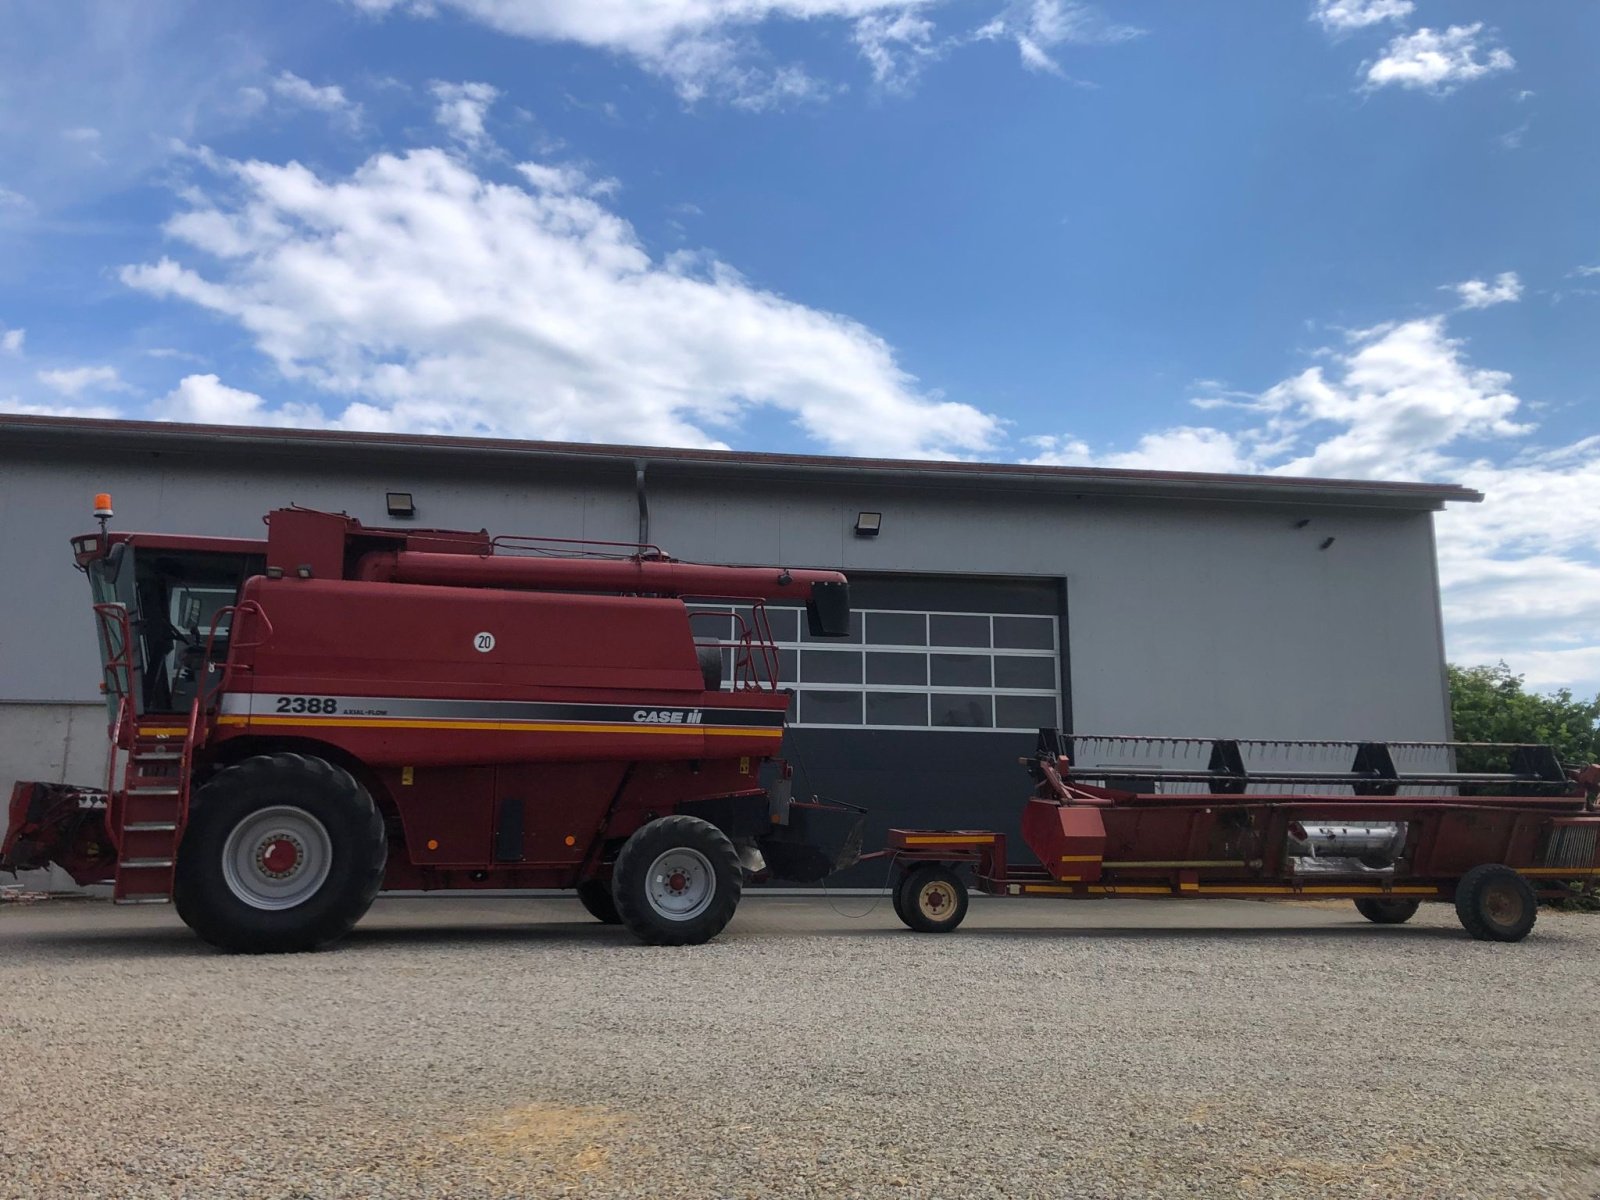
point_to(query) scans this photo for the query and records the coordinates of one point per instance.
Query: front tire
(283, 853)
(677, 881)
(1387, 912)
(1496, 904)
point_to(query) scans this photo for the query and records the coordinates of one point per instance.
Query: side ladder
(149, 811)
(147, 801)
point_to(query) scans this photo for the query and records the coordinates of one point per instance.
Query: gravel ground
(512, 1048)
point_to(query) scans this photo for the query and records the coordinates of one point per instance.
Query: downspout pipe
(644, 502)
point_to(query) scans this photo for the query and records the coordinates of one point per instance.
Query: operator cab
(173, 589)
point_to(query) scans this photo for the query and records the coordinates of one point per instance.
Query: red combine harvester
(1234, 822)
(301, 722)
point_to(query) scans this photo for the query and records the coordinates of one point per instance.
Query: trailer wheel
(1496, 904)
(283, 853)
(931, 899)
(595, 895)
(677, 881)
(1387, 912)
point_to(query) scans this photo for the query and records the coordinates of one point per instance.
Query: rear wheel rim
(1502, 904)
(277, 858)
(936, 900)
(680, 884)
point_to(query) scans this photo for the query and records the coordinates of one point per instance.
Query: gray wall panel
(1206, 617)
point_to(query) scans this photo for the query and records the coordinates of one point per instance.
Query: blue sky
(1336, 237)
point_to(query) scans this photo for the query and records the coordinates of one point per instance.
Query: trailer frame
(1092, 841)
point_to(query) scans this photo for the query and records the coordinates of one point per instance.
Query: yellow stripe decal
(1080, 858)
(950, 841)
(1115, 890)
(503, 726)
(1561, 872)
(1224, 890)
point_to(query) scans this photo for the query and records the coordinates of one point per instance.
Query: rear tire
(1387, 912)
(595, 895)
(677, 882)
(283, 852)
(1496, 904)
(931, 899)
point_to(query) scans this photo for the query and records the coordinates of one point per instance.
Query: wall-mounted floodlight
(869, 524)
(400, 504)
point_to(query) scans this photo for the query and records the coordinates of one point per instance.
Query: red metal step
(150, 807)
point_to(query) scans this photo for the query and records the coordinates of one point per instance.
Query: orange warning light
(102, 505)
(571, 841)
(433, 843)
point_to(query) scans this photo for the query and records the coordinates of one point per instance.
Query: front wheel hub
(277, 857)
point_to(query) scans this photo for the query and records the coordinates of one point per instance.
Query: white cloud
(414, 294)
(1185, 448)
(1342, 16)
(1520, 572)
(1475, 293)
(81, 133)
(14, 202)
(1384, 406)
(1430, 60)
(328, 99)
(101, 411)
(461, 108)
(1512, 139)
(707, 49)
(74, 381)
(1585, 272)
(11, 340)
(206, 400)
(895, 45)
(1039, 26)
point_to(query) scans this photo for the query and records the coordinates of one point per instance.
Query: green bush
(1489, 704)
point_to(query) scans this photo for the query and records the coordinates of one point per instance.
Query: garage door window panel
(897, 668)
(966, 710)
(899, 709)
(903, 669)
(830, 708)
(958, 629)
(961, 670)
(1024, 633)
(830, 666)
(1018, 671)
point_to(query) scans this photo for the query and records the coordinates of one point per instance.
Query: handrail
(254, 609)
(112, 617)
(749, 672)
(112, 823)
(186, 762)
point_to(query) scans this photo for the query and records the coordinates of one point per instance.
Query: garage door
(920, 714)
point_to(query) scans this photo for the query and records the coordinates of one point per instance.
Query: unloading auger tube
(637, 574)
